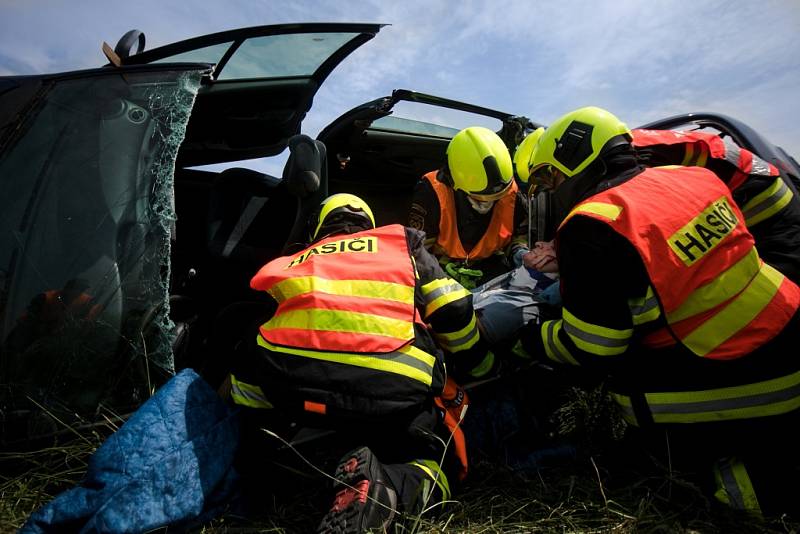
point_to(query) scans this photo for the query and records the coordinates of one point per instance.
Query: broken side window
(86, 211)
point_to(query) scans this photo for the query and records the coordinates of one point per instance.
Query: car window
(430, 120)
(271, 166)
(270, 56)
(278, 56)
(208, 54)
(86, 208)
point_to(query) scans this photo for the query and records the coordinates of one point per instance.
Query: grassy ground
(583, 499)
(594, 493)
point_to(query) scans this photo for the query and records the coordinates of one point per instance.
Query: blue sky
(642, 60)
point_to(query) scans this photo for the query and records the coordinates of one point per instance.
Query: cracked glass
(87, 212)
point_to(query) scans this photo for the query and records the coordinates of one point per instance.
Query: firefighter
(354, 344)
(471, 210)
(665, 294)
(768, 201)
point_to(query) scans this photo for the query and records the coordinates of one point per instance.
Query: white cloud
(642, 60)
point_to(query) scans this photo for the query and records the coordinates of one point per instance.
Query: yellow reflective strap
(608, 211)
(249, 395)
(603, 209)
(418, 354)
(409, 362)
(435, 472)
(737, 314)
(441, 292)
(688, 155)
(734, 486)
(702, 158)
(595, 339)
(461, 339)
(726, 285)
(553, 348)
(433, 285)
(342, 321)
(767, 203)
(299, 285)
(484, 367)
(645, 309)
(769, 397)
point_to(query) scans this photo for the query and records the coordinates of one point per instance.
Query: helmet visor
(491, 196)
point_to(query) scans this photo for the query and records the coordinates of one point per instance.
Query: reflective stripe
(767, 203)
(737, 314)
(688, 155)
(409, 361)
(341, 321)
(645, 309)
(484, 367)
(299, 285)
(596, 339)
(760, 167)
(732, 153)
(727, 284)
(460, 340)
(553, 347)
(441, 292)
(429, 467)
(603, 209)
(761, 399)
(248, 395)
(734, 486)
(702, 158)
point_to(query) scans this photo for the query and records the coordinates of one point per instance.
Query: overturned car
(122, 260)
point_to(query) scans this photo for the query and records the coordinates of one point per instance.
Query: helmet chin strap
(481, 206)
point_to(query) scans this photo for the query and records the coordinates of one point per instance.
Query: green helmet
(524, 153)
(479, 163)
(575, 140)
(341, 205)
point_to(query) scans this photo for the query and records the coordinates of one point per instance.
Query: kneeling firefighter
(695, 333)
(355, 344)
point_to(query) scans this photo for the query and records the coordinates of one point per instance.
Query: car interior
(230, 223)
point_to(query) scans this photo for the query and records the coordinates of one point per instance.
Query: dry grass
(593, 494)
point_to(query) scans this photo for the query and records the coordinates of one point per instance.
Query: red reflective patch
(315, 407)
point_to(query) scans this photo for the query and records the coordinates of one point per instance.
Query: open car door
(263, 83)
(87, 168)
(379, 150)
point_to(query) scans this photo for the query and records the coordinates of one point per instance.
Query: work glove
(463, 275)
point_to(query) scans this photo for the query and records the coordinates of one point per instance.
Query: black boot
(365, 499)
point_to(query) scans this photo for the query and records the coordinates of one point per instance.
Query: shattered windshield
(86, 211)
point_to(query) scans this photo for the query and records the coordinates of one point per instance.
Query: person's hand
(542, 258)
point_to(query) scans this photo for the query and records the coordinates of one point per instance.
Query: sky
(640, 59)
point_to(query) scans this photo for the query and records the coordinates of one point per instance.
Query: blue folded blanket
(171, 464)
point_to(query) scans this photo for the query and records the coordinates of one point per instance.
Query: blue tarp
(171, 464)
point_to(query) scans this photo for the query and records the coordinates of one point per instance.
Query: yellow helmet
(524, 153)
(479, 163)
(575, 140)
(341, 204)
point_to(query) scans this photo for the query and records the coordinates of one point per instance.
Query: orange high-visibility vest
(497, 236)
(717, 296)
(346, 293)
